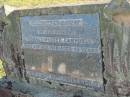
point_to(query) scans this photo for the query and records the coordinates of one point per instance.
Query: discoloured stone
(115, 49)
(81, 55)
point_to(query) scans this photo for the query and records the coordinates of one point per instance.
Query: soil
(122, 18)
(5, 93)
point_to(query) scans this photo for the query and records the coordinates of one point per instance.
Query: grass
(37, 2)
(32, 3)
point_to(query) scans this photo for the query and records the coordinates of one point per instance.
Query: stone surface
(65, 33)
(66, 45)
(60, 67)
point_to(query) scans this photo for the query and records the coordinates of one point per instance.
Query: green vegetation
(30, 3)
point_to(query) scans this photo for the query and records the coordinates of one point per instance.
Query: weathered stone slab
(68, 46)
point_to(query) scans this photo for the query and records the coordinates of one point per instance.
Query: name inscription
(67, 33)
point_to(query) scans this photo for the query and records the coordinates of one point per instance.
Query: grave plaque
(63, 48)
